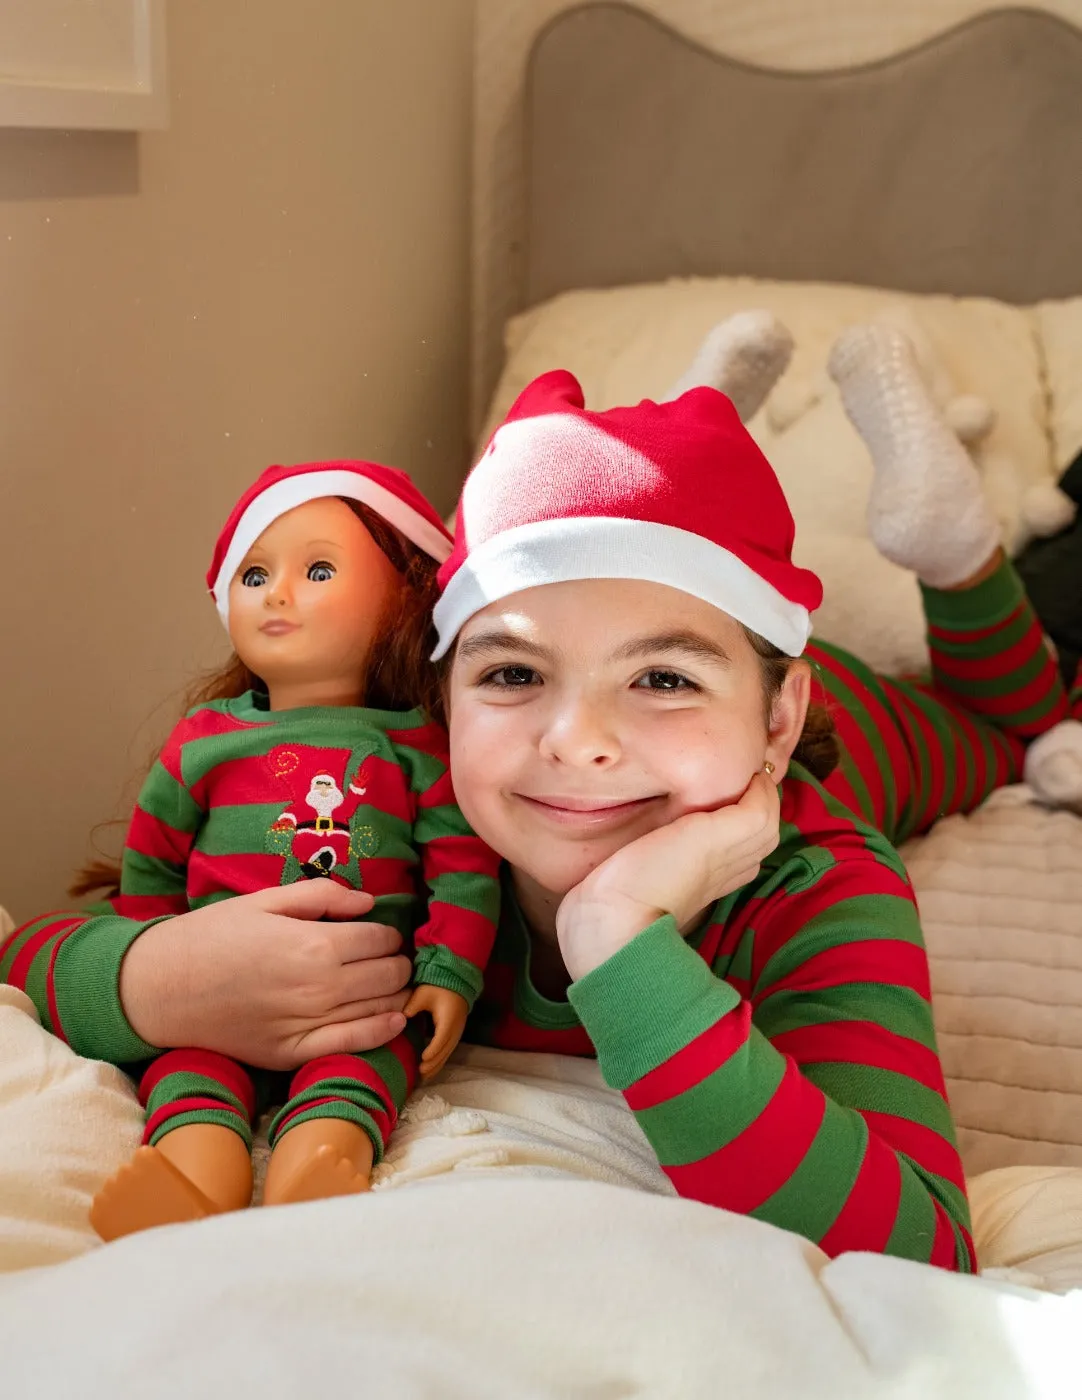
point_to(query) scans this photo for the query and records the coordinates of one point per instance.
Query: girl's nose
(581, 733)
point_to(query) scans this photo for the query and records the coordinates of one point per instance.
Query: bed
(520, 1241)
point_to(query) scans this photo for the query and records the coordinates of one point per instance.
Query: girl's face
(586, 714)
(306, 602)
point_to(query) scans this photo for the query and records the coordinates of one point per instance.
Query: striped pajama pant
(915, 751)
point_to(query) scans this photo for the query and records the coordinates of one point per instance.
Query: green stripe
(973, 609)
(715, 1111)
(660, 987)
(168, 801)
(147, 875)
(219, 1117)
(37, 979)
(897, 1009)
(813, 1197)
(436, 966)
(187, 1084)
(434, 822)
(858, 919)
(423, 769)
(914, 1223)
(996, 687)
(883, 1091)
(467, 890)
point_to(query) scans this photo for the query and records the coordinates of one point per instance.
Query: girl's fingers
(348, 1037)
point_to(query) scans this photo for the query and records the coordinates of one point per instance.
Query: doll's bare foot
(145, 1192)
(315, 1160)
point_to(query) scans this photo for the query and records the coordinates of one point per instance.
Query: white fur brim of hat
(599, 547)
(293, 491)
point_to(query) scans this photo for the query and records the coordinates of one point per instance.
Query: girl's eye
(254, 577)
(321, 572)
(511, 678)
(667, 681)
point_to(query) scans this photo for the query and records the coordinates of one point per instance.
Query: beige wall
(279, 276)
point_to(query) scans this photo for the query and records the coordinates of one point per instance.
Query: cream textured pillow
(65, 1125)
(1000, 895)
(627, 343)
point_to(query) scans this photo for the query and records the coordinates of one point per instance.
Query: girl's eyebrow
(685, 643)
(501, 644)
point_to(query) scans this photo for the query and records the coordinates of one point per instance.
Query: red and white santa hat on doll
(390, 493)
(675, 493)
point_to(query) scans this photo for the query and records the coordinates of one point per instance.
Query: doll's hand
(679, 869)
(448, 1011)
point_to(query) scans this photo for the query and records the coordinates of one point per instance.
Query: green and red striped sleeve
(69, 967)
(461, 872)
(810, 1096)
(164, 824)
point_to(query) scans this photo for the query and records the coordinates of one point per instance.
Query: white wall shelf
(83, 64)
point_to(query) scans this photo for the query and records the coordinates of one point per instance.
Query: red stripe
(864, 754)
(20, 968)
(461, 931)
(387, 875)
(190, 1105)
(994, 665)
(387, 790)
(204, 724)
(50, 988)
(239, 874)
(18, 932)
(427, 738)
(691, 1064)
(440, 794)
(747, 1171)
(461, 854)
(148, 906)
(975, 634)
(149, 836)
(923, 1144)
(933, 768)
(210, 1064)
(1023, 698)
(881, 961)
(863, 1043)
(867, 1218)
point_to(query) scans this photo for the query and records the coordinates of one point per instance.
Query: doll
(322, 577)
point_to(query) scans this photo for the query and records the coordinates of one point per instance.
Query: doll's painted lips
(279, 627)
(588, 811)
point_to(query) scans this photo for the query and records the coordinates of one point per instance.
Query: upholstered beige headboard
(631, 151)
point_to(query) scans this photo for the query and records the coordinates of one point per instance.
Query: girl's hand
(679, 869)
(272, 979)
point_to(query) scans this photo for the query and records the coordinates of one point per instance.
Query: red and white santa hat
(390, 493)
(675, 493)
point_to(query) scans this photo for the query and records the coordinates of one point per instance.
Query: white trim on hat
(297, 490)
(586, 547)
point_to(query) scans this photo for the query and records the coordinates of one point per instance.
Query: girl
(700, 884)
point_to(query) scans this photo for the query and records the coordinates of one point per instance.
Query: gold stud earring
(768, 768)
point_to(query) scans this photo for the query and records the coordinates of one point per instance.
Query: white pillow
(628, 343)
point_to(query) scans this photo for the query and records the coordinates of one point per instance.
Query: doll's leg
(196, 1157)
(334, 1127)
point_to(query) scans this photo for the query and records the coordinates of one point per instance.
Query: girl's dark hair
(817, 749)
(400, 675)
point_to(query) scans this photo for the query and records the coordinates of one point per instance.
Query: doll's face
(585, 714)
(306, 602)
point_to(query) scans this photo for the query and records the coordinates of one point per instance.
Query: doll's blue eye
(321, 572)
(254, 578)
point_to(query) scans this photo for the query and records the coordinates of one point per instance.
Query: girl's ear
(787, 717)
